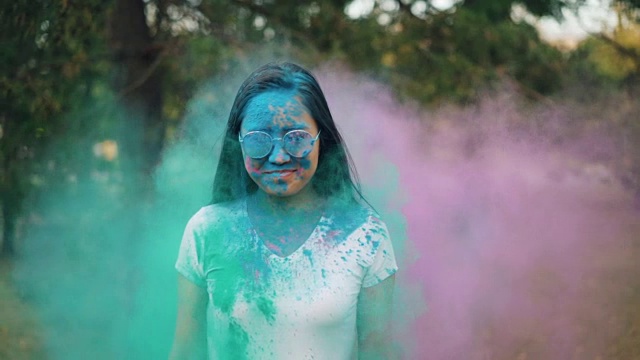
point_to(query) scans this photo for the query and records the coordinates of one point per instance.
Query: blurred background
(500, 139)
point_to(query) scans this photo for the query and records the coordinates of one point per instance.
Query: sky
(595, 16)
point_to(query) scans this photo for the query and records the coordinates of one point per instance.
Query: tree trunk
(138, 82)
(9, 217)
(11, 195)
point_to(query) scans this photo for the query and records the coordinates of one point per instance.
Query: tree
(152, 54)
(443, 55)
(65, 53)
(609, 63)
(44, 69)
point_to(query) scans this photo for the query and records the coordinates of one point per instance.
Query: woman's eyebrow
(296, 127)
(284, 129)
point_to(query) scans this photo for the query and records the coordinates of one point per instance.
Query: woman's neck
(304, 201)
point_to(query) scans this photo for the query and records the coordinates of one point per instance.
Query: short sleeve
(190, 255)
(384, 260)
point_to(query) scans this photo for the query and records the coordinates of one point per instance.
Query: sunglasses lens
(257, 144)
(298, 143)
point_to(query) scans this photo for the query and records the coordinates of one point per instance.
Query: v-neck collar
(263, 246)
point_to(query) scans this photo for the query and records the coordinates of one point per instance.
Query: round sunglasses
(258, 144)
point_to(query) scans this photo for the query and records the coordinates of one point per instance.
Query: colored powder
(238, 343)
(309, 254)
(494, 250)
(494, 238)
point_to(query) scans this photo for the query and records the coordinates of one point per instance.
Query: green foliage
(449, 56)
(48, 61)
(543, 7)
(609, 60)
(495, 10)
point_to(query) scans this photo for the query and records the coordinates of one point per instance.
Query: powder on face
(276, 112)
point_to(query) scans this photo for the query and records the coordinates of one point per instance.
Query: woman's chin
(282, 190)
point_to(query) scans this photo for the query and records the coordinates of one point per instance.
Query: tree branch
(147, 73)
(261, 10)
(406, 8)
(628, 52)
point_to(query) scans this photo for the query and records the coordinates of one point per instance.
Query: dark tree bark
(11, 190)
(11, 198)
(138, 82)
(9, 217)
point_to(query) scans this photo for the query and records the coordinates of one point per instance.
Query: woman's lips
(280, 173)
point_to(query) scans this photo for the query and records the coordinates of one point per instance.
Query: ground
(20, 335)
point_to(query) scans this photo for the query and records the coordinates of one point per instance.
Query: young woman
(289, 261)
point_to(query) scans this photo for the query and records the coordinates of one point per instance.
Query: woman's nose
(278, 154)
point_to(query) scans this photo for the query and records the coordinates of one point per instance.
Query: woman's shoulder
(353, 210)
(353, 215)
(217, 214)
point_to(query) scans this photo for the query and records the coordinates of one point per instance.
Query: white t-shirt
(301, 306)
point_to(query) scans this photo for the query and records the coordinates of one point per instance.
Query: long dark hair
(336, 174)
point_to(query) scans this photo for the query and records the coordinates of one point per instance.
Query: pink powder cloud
(498, 233)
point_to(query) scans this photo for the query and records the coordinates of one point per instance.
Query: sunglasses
(258, 144)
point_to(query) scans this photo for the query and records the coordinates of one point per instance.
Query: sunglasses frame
(281, 139)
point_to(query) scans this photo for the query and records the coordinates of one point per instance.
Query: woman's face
(277, 112)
